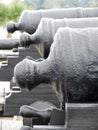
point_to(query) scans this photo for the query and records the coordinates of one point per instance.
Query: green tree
(10, 12)
(3, 13)
(15, 10)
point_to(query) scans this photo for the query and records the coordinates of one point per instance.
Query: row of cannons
(56, 58)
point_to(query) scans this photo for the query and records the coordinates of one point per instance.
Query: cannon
(75, 65)
(77, 117)
(9, 43)
(29, 20)
(43, 37)
(12, 106)
(47, 29)
(71, 68)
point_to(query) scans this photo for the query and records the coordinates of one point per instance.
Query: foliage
(14, 10)
(3, 13)
(11, 12)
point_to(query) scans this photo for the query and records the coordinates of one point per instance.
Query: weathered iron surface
(16, 98)
(42, 93)
(78, 116)
(53, 116)
(71, 66)
(29, 20)
(28, 111)
(6, 71)
(9, 43)
(47, 29)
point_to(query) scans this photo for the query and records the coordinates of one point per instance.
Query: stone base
(49, 127)
(82, 116)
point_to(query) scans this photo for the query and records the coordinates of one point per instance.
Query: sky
(6, 1)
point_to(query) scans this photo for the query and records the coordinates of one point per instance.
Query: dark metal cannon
(42, 92)
(77, 117)
(43, 37)
(29, 20)
(9, 43)
(52, 116)
(73, 56)
(47, 29)
(71, 68)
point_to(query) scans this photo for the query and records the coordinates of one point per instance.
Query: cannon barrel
(28, 111)
(9, 43)
(48, 27)
(54, 116)
(79, 116)
(29, 20)
(71, 66)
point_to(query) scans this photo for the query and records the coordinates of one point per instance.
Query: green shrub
(3, 14)
(10, 12)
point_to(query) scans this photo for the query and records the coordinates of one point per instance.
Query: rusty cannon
(71, 69)
(29, 20)
(43, 37)
(11, 106)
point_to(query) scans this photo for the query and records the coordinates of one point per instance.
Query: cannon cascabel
(47, 29)
(71, 67)
(29, 20)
